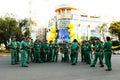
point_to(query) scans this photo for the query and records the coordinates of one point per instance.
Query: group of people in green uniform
(39, 52)
(98, 50)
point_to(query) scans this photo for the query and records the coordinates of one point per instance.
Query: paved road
(58, 71)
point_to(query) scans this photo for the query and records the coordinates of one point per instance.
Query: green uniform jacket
(107, 46)
(56, 47)
(97, 47)
(74, 46)
(37, 47)
(13, 45)
(87, 47)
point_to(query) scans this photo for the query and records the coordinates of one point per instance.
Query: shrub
(115, 43)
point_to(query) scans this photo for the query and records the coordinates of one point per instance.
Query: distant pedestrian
(87, 51)
(97, 53)
(83, 51)
(108, 52)
(13, 50)
(23, 48)
(74, 51)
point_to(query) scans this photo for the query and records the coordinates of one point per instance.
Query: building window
(58, 12)
(68, 11)
(63, 11)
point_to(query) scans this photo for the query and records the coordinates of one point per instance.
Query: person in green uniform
(61, 51)
(83, 59)
(23, 48)
(28, 49)
(62, 48)
(74, 51)
(108, 52)
(56, 49)
(13, 50)
(87, 50)
(51, 53)
(47, 51)
(102, 53)
(37, 48)
(32, 50)
(18, 50)
(44, 51)
(66, 48)
(97, 53)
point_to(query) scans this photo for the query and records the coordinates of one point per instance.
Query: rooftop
(65, 6)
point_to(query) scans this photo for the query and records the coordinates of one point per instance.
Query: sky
(43, 10)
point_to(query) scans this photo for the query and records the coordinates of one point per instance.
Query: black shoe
(16, 63)
(92, 66)
(73, 64)
(108, 69)
(12, 64)
(27, 62)
(39, 62)
(102, 66)
(52, 60)
(87, 63)
(25, 66)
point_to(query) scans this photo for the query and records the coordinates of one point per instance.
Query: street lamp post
(88, 32)
(78, 30)
(88, 26)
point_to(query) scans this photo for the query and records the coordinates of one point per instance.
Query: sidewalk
(4, 54)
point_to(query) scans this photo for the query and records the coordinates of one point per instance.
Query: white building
(85, 25)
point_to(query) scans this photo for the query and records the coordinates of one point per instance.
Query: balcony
(64, 16)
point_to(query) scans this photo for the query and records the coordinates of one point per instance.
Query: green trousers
(87, 57)
(55, 56)
(37, 56)
(43, 55)
(83, 56)
(96, 56)
(102, 55)
(74, 57)
(66, 56)
(51, 55)
(28, 55)
(18, 55)
(13, 56)
(108, 59)
(23, 58)
(48, 54)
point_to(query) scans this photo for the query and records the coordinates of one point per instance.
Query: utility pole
(29, 8)
(30, 12)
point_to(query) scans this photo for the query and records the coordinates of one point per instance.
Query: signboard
(62, 24)
(62, 30)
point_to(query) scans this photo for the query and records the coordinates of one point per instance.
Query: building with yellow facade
(69, 23)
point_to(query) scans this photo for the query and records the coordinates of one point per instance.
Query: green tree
(25, 26)
(8, 28)
(1, 30)
(115, 28)
(92, 38)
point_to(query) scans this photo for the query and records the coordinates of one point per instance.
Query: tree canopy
(25, 26)
(115, 28)
(10, 26)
